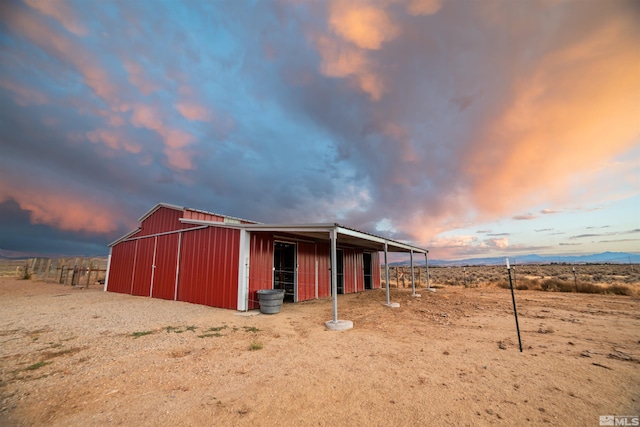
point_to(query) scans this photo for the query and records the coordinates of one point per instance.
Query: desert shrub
(565, 286)
(454, 282)
(590, 288)
(528, 284)
(619, 290)
(611, 274)
(503, 284)
(256, 346)
(141, 334)
(550, 285)
(557, 285)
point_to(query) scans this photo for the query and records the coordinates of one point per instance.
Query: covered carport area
(339, 235)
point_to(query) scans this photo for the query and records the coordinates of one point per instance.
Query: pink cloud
(342, 60)
(364, 24)
(24, 96)
(524, 217)
(62, 47)
(115, 120)
(139, 78)
(423, 7)
(193, 112)
(65, 210)
(355, 30)
(566, 114)
(114, 140)
(59, 10)
(179, 159)
(501, 243)
(175, 140)
(147, 117)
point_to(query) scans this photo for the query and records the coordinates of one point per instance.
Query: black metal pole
(515, 311)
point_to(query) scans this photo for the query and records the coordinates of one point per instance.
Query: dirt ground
(72, 356)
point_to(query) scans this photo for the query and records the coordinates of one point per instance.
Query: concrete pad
(393, 304)
(340, 325)
(430, 290)
(416, 295)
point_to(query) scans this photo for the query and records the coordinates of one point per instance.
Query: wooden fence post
(397, 281)
(61, 271)
(46, 272)
(88, 274)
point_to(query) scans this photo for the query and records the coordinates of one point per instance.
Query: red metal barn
(205, 258)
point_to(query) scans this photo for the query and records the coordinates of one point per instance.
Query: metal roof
(181, 208)
(319, 231)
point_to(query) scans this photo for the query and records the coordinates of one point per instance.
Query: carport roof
(320, 231)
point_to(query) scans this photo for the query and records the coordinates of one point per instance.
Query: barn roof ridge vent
(222, 215)
(185, 208)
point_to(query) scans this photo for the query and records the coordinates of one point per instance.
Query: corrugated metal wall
(306, 271)
(162, 220)
(121, 267)
(323, 251)
(375, 266)
(359, 266)
(209, 267)
(261, 265)
(164, 278)
(348, 265)
(142, 268)
(353, 270)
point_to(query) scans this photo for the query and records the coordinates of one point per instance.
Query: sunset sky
(470, 128)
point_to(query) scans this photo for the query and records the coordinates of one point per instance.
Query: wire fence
(400, 276)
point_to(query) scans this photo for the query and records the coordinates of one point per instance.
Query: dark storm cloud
(402, 117)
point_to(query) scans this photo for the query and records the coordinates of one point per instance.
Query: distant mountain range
(601, 258)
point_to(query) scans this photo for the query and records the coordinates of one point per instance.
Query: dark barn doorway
(368, 272)
(340, 270)
(284, 269)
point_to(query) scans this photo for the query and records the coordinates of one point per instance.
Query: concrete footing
(430, 290)
(340, 325)
(393, 304)
(416, 295)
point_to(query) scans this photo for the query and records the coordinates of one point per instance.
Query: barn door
(164, 266)
(143, 267)
(284, 269)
